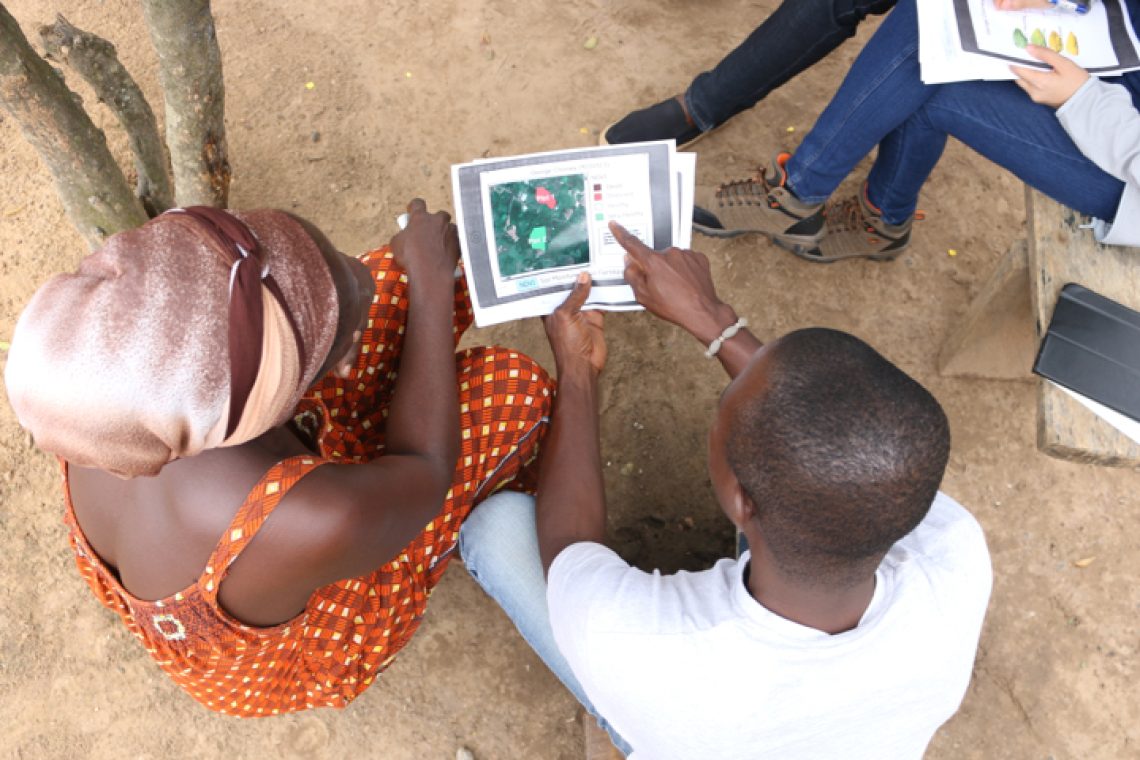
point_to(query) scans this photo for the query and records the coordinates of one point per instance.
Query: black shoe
(663, 121)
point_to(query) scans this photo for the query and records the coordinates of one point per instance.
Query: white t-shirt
(690, 666)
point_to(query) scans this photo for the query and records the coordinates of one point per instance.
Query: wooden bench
(999, 334)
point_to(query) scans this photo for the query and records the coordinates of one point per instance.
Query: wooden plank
(1061, 252)
(995, 337)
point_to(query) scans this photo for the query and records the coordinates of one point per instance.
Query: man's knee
(500, 526)
(516, 379)
(849, 13)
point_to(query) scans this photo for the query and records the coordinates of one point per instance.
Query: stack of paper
(961, 40)
(529, 224)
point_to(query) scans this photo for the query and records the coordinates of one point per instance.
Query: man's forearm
(571, 504)
(708, 324)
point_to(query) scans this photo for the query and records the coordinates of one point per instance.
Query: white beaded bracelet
(729, 331)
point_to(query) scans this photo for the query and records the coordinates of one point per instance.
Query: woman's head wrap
(200, 329)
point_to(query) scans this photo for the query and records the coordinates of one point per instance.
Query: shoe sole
(805, 252)
(602, 141)
(802, 249)
(799, 246)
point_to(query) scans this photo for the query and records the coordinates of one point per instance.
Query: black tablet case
(1093, 347)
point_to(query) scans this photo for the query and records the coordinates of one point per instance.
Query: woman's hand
(1021, 5)
(429, 245)
(675, 285)
(1050, 88)
(577, 337)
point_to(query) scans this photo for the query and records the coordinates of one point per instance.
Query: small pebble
(315, 136)
(464, 754)
(590, 43)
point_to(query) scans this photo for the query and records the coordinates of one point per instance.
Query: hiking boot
(762, 204)
(854, 229)
(666, 120)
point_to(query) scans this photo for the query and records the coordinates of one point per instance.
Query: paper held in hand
(529, 224)
(961, 40)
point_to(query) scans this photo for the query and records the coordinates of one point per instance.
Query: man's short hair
(842, 455)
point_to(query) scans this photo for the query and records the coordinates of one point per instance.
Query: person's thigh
(499, 547)
(1000, 122)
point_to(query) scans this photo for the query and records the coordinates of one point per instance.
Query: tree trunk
(94, 192)
(190, 68)
(95, 59)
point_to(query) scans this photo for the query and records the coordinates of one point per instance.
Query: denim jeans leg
(499, 546)
(1000, 122)
(797, 35)
(882, 90)
(905, 159)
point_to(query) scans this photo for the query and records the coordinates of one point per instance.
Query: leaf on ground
(590, 43)
(1083, 563)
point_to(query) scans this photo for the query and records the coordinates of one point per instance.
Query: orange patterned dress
(352, 629)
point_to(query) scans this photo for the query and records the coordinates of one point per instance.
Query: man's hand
(577, 336)
(1022, 5)
(1051, 88)
(675, 285)
(429, 245)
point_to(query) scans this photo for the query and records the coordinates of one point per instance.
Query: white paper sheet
(1126, 425)
(962, 40)
(530, 224)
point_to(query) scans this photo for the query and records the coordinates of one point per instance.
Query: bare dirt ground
(401, 90)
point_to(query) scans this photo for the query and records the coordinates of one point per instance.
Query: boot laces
(846, 215)
(753, 187)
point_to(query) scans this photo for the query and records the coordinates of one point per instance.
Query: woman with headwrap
(249, 483)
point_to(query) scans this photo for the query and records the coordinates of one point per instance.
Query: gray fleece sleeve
(1105, 126)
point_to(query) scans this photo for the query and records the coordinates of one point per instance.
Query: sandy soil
(401, 91)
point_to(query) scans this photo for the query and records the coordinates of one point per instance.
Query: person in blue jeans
(795, 37)
(1057, 139)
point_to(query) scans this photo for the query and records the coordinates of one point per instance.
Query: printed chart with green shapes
(1069, 43)
(540, 224)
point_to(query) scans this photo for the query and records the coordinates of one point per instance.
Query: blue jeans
(499, 546)
(883, 101)
(797, 35)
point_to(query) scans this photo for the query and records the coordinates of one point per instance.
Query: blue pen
(1071, 6)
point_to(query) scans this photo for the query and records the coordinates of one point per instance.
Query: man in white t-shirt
(848, 631)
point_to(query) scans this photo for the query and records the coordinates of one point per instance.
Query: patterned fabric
(350, 630)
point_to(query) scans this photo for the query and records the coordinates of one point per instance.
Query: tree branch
(190, 68)
(89, 182)
(96, 60)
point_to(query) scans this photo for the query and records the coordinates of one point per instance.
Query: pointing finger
(630, 243)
